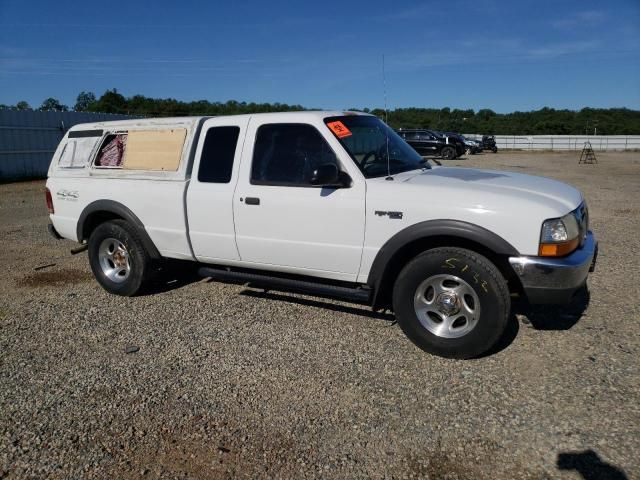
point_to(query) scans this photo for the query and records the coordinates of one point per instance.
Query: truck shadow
(510, 333)
(540, 318)
(590, 466)
(175, 275)
(553, 317)
(171, 276)
(362, 311)
(507, 338)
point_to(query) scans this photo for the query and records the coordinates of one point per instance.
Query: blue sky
(502, 55)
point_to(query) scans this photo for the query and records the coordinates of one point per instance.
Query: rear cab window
(218, 153)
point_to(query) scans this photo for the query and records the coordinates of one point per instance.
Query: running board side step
(269, 282)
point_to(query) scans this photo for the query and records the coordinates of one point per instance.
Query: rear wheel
(118, 259)
(448, 153)
(451, 302)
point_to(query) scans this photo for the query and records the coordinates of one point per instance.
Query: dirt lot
(230, 382)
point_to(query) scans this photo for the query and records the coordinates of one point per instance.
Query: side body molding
(117, 209)
(431, 229)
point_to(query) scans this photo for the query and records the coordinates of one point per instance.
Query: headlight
(559, 236)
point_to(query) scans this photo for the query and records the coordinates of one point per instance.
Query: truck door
(282, 221)
(210, 192)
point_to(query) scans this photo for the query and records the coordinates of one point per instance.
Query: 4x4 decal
(68, 194)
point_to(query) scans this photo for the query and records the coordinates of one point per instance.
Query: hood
(553, 193)
(511, 205)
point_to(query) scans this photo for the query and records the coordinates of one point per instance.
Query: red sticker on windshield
(339, 129)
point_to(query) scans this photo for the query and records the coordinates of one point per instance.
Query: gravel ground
(231, 382)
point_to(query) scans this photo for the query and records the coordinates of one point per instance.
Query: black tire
(477, 273)
(448, 153)
(137, 261)
(494, 149)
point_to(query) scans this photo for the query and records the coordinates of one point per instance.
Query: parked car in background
(471, 146)
(428, 143)
(454, 140)
(489, 143)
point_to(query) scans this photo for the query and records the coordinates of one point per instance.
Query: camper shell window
(77, 152)
(148, 150)
(111, 154)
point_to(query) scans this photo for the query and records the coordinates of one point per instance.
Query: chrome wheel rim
(446, 306)
(114, 260)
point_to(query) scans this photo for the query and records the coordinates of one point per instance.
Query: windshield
(375, 148)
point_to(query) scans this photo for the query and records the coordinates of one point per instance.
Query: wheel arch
(413, 240)
(102, 211)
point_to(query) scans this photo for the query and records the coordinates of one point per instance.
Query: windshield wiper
(425, 161)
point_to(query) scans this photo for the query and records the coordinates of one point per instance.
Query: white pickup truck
(333, 204)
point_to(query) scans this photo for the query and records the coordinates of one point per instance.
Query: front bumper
(556, 280)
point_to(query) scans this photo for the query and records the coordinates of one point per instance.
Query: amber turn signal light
(558, 249)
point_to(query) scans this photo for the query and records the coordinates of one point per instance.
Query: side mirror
(327, 175)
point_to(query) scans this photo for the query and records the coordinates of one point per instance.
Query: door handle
(252, 201)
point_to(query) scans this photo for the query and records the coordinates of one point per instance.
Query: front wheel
(452, 302)
(118, 259)
(494, 149)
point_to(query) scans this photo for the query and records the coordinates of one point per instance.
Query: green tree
(84, 101)
(22, 105)
(110, 102)
(486, 113)
(53, 104)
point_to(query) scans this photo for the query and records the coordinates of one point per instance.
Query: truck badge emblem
(394, 215)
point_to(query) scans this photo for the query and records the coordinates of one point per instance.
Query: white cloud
(586, 18)
(553, 50)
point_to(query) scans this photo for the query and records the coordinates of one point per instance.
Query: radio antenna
(386, 117)
(384, 88)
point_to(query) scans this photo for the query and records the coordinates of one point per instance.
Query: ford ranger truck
(333, 204)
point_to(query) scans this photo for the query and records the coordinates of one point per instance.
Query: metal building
(29, 138)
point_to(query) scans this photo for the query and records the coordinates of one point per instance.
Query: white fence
(565, 142)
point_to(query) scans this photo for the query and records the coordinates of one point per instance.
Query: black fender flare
(431, 229)
(122, 211)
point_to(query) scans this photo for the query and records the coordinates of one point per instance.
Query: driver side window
(286, 154)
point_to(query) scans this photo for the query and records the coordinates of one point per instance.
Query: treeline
(609, 121)
(114, 102)
(546, 121)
